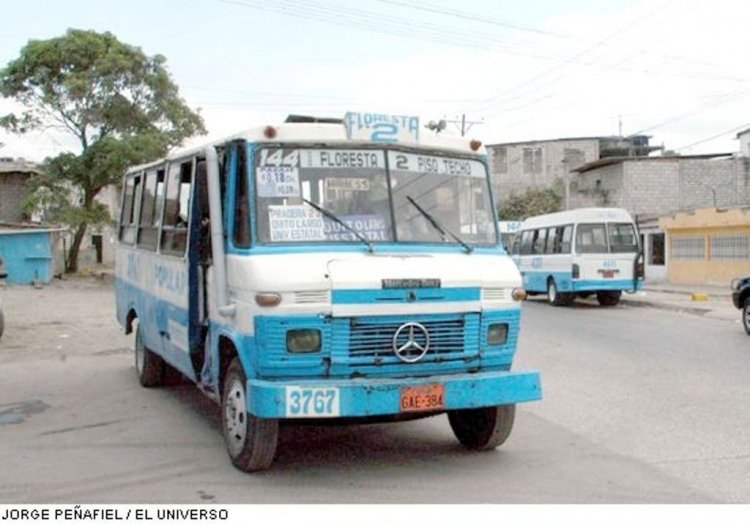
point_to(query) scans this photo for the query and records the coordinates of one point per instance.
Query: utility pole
(464, 125)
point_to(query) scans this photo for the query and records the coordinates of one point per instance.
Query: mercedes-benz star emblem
(411, 342)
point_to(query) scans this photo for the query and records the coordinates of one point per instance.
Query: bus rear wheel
(608, 298)
(482, 428)
(746, 315)
(556, 298)
(251, 441)
(149, 367)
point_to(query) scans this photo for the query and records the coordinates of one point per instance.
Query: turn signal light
(268, 299)
(576, 271)
(519, 294)
(475, 145)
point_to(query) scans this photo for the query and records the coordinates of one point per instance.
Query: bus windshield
(375, 192)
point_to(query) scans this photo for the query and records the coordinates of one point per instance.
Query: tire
(556, 298)
(2, 322)
(608, 298)
(149, 367)
(482, 428)
(746, 315)
(251, 441)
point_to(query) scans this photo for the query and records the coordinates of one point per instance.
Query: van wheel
(482, 428)
(608, 298)
(554, 297)
(149, 367)
(251, 441)
(746, 315)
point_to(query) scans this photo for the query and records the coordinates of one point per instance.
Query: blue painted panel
(154, 315)
(401, 295)
(27, 256)
(593, 285)
(371, 397)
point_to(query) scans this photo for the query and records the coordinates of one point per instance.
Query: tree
(121, 105)
(531, 203)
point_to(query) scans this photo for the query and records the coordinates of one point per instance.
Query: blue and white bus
(344, 270)
(580, 252)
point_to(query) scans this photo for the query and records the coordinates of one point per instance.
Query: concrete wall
(12, 192)
(661, 186)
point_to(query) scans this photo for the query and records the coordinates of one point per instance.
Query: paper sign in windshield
(295, 223)
(278, 181)
(371, 227)
(348, 184)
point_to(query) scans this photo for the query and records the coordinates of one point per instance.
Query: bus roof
(576, 216)
(323, 132)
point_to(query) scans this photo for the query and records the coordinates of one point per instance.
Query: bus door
(173, 271)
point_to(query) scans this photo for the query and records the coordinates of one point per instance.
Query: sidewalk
(707, 301)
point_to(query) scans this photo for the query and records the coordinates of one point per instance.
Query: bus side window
(567, 236)
(526, 241)
(176, 208)
(148, 225)
(516, 249)
(129, 207)
(553, 241)
(540, 237)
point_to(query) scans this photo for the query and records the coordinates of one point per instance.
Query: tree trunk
(72, 265)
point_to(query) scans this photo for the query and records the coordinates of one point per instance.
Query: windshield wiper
(335, 219)
(443, 231)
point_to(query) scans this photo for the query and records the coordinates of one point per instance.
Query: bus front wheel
(556, 298)
(149, 367)
(482, 428)
(251, 441)
(608, 298)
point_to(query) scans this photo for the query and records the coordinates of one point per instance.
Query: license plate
(312, 402)
(608, 274)
(423, 398)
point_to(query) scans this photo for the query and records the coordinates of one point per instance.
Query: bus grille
(375, 338)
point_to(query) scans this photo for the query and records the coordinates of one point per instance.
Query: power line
(733, 130)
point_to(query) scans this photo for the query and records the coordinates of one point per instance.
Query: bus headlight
(304, 341)
(519, 294)
(497, 334)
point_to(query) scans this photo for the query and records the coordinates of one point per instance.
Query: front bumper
(376, 397)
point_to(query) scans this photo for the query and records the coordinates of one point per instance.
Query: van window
(553, 240)
(540, 238)
(527, 239)
(567, 236)
(148, 229)
(176, 208)
(622, 238)
(591, 238)
(131, 209)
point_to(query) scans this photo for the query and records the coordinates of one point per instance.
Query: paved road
(641, 405)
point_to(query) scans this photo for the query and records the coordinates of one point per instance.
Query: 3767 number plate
(312, 402)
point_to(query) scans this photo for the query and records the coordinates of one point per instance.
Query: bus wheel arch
(129, 320)
(149, 367)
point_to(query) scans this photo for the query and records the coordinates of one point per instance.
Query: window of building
(532, 160)
(500, 160)
(730, 247)
(688, 248)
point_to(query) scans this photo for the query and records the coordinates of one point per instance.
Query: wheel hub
(235, 416)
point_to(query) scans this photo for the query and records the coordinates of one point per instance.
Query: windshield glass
(353, 186)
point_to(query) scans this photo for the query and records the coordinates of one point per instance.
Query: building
(14, 176)
(708, 246)
(520, 166)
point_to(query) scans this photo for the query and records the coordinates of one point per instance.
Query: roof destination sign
(378, 127)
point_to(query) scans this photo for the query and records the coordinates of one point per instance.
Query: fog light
(303, 341)
(497, 334)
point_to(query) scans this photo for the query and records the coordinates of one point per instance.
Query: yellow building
(708, 246)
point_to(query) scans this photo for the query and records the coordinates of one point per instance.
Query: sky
(516, 71)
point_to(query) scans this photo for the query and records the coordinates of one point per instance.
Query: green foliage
(120, 104)
(531, 203)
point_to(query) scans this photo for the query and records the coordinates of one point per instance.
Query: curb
(666, 306)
